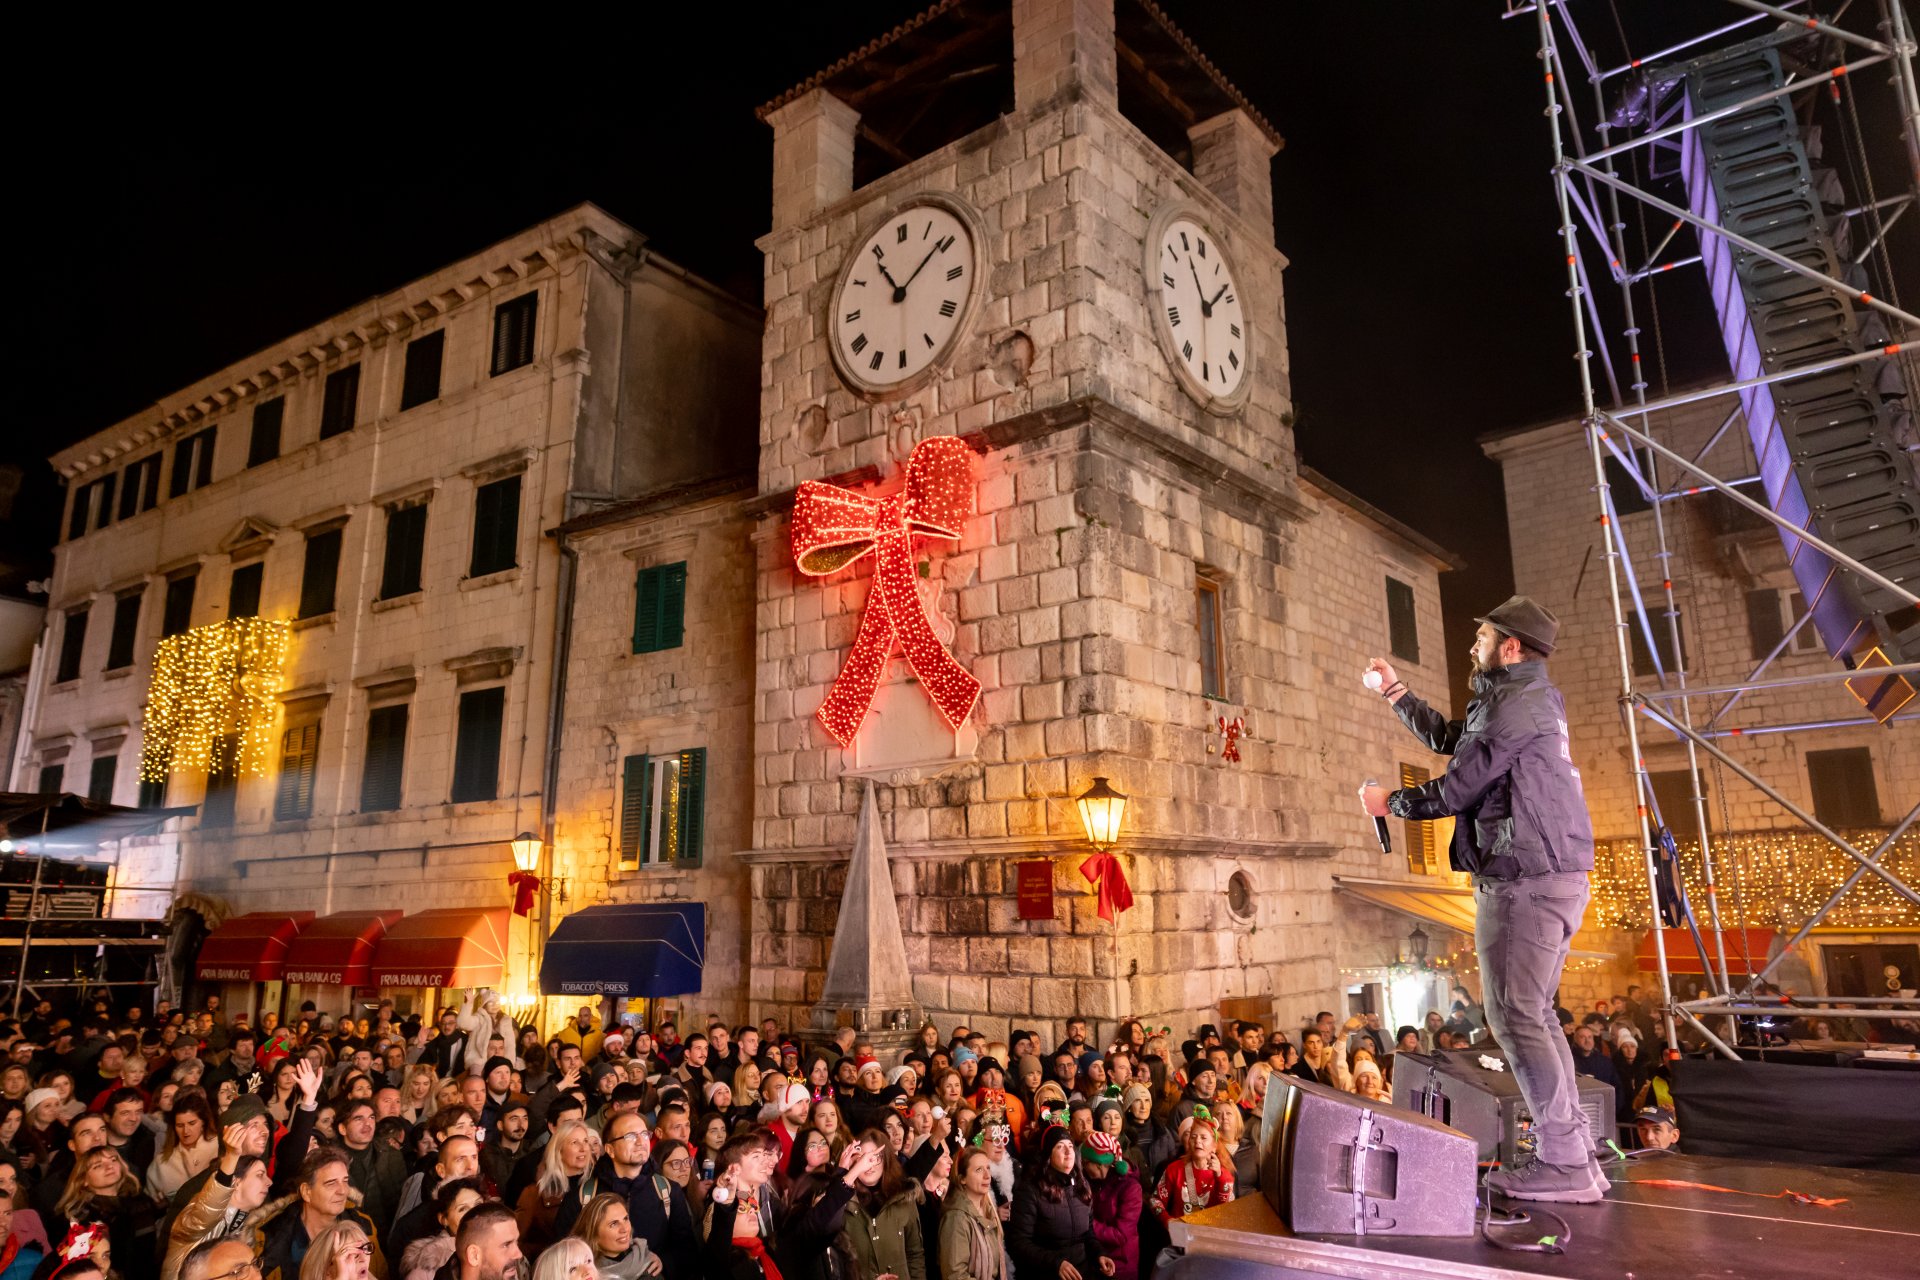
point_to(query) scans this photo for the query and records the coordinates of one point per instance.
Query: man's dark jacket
(1511, 783)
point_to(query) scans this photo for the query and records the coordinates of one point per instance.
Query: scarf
(756, 1248)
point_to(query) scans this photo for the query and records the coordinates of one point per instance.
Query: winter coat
(631, 1265)
(279, 1236)
(210, 1215)
(484, 1023)
(812, 1246)
(18, 1259)
(168, 1173)
(1043, 1233)
(663, 1219)
(425, 1256)
(887, 1239)
(1210, 1187)
(1148, 1148)
(541, 1215)
(1511, 781)
(1188, 1101)
(378, 1172)
(1116, 1222)
(967, 1234)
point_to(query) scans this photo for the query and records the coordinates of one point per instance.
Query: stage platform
(1638, 1232)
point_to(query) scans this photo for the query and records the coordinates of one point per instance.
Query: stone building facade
(1108, 501)
(570, 368)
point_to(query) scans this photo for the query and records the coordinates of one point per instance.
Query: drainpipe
(556, 703)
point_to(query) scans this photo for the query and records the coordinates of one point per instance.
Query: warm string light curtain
(833, 527)
(212, 684)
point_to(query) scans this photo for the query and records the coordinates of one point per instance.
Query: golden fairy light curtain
(213, 694)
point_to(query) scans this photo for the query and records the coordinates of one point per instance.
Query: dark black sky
(183, 218)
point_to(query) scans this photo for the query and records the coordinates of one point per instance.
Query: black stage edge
(1640, 1231)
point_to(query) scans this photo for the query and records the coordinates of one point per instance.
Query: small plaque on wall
(1036, 890)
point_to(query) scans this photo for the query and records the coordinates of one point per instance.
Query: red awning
(339, 948)
(250, 948)
(1684, 957)
(445, 947)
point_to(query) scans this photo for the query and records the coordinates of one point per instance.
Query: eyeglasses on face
(247, 1268)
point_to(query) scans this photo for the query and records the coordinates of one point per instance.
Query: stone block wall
(700, 694)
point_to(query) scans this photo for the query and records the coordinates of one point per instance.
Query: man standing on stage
(1523, 832)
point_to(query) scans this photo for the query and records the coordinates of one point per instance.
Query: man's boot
(1553, 1183)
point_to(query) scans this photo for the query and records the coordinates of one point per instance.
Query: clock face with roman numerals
(1199, 313)
(904, 297)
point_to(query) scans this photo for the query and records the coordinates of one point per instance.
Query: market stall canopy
(250, 948)
(627, 949)
(339, 948)
(1684, 957)
(444, 947)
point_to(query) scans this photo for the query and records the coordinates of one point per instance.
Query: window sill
(490, 579)
(395, 602)
(62, 686)
(117, 673)
(317, 620)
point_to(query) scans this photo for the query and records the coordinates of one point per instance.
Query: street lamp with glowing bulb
(1101, 809)
(526, 850)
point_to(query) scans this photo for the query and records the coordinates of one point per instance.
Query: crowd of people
(178, 1146)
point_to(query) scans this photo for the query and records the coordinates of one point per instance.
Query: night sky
(189, 217)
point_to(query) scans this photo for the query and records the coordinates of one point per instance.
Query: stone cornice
(1052, 847)
(538, 250)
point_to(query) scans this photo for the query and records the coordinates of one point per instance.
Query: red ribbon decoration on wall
(833, 527)
(1104, 872)
(1232, 729)
(525, 885)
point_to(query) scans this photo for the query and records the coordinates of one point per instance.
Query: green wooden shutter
(476, 752)
(634, 797)
(299, 760)
(646, 611)
(1764, 628)
(673, 604)
(384, 768)
(693, 797)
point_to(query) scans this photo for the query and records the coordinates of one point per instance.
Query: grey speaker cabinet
(1333, 1163)
(1455, 1089)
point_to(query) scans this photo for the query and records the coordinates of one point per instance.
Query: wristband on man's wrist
(1394, 689)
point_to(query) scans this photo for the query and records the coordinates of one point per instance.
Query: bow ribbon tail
(1104, 872)
(952, 687)
(851, 696)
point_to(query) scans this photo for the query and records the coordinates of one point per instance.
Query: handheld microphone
(1380, 827)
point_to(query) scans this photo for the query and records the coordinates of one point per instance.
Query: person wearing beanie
(1524, 834)
(990, 1091)
(1116, 1202)
(1200, 1178)
(1052, 1219)
(1149, 1145)
(871, 1099)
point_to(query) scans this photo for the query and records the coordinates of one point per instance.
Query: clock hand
(1215, 298)
(1206, 308)
(917, 270)
(889, 275)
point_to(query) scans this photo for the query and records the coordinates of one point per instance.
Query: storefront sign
(440, 979)
(593, 988)
(334, 976)
(225, 973)
(1036, 890)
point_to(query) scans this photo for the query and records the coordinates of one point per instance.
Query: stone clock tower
(1047, 231)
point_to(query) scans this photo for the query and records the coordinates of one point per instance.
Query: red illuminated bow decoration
(1103, 871)
(833, 527)
(525, 884)
(79, 1243)
(1232, 729)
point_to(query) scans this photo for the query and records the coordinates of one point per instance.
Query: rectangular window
(243, 590)
(1423, 838)
(100, 779)
(496, 527)
(660, 607)
(192, 463)
(385, 767)
(1662, 636)
(1403, 626)
(126, 631)
(73, 643)
(1770, 611)
(663, 809)
(140, 487)
(51, 776)
(1673, 795)
(1213, 654)
(513, 333)
(1844, 794)
(476, 748)
(406, 549)
(264, 444)
(320, 575)
(92, 506)
(153, 795)
(340, 405)
(421, 381)
(176, 615)
(223, 786)
(1628, 496)
(299, 767)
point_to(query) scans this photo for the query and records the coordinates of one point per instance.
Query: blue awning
(627, 949)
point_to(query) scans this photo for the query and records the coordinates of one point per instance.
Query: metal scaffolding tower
(1646, 140)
